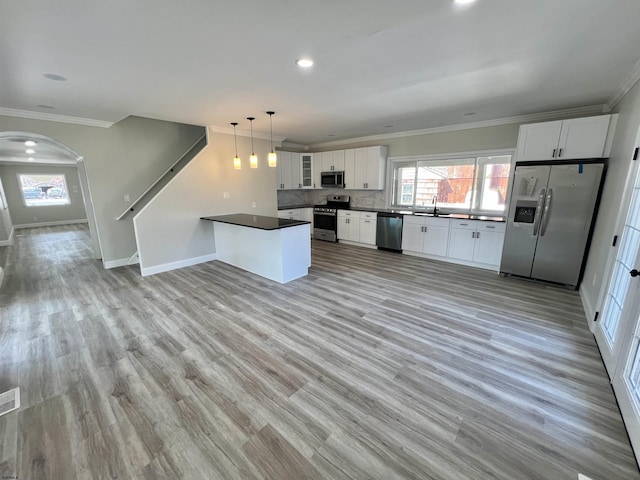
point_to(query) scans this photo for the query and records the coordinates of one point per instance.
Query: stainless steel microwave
(332, 180)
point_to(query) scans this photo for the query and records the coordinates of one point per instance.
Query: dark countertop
(457, 216)
(291, 207)
(256, 221)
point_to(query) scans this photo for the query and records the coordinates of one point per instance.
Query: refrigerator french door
(550, 218)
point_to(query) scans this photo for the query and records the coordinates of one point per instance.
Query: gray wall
(473, 139)
(168, 230)
(622, 148)
(126, 158)
(483, 138)
(23, 215)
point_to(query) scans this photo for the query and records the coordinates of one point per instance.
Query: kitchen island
(275, 248)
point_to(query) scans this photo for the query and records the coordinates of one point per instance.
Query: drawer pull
(491, 226)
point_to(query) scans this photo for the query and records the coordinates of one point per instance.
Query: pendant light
(237, 163)
(253, 159)
(272, 158)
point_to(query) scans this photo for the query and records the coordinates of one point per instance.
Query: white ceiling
(412, 64)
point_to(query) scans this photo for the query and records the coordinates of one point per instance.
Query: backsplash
(359, 198)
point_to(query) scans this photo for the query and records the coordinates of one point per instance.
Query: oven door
(325, 226)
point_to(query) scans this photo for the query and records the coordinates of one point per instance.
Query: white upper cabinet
(564, 139)
(583, 137)
(370, 165)
(307, 171)
(364, 168)
(332, 161)
(317, 169)
(350, 169)
(283, 170)
(288, 171)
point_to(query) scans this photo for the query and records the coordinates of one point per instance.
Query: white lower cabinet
(462, 239)
(368, 225)
(303, 214)
(472, 242)
(293, 214)
(425, 235)
(489, 243)
(358, 227)
(477, 241)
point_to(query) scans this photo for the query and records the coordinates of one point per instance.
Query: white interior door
(614, 328)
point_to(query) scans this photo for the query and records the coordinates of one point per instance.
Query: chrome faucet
(434, 202)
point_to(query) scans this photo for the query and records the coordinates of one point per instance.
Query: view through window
(474, 185)
(43, 189)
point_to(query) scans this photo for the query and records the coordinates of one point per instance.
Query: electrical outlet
(127, 197)
(254, 204)
(226, 195)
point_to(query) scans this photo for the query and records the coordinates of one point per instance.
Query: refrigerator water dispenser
(525, 211)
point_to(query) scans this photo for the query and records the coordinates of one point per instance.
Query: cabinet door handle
(553, 155)
(559, 153)
(477, 234)
(473, 234)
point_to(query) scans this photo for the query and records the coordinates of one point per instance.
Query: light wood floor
(374, 366)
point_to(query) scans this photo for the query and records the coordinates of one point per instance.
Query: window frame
(42, 174)
(441, 160)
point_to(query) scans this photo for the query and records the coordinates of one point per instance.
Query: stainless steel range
(325, 217)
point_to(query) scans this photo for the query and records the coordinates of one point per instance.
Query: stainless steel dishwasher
(389, 231)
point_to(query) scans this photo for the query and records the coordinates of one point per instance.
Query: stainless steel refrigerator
(551, 213)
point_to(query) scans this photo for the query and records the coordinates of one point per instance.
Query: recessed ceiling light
(463, 2)
(304, 62)
(29, 151)
(55, 76)
(30, 143)
(45, 106)
(30, 159)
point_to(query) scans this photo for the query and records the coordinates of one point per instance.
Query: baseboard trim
(589, 311)
(357, 244)
(121, 262)
(9, 241)
(483, 266)
(50, 224)
(165, 267)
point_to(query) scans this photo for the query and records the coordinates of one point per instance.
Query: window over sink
(456, 185)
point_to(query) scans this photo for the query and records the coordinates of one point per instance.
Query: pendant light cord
(251, 119)
(235, 139)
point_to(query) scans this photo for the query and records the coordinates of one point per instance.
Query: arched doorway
(27, 149)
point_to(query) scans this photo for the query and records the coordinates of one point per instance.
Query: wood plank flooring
(374, 366)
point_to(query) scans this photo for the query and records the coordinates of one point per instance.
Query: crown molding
(243, 133)
(295, 146)
(53, 117)
(626, 85)
(531, 118)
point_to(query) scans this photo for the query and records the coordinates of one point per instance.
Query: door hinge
(615, 240)
(635, 153)
(595, 317)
